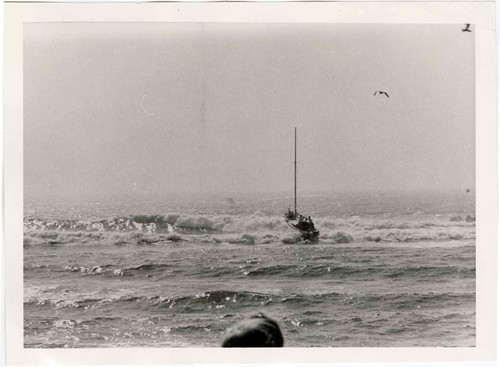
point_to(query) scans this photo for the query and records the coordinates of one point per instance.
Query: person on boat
(311, 224)
(302, 224)
(255, 332)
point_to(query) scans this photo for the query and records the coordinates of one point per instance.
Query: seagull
(466, 29)
(380, 92)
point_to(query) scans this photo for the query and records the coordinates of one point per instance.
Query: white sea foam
(238, 229)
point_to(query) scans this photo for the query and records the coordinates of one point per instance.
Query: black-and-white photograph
(249, 185)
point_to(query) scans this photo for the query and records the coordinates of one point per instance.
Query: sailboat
(293, 218)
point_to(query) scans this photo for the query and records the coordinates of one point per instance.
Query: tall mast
(295, 172)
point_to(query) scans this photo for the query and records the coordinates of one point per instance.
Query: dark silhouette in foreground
(466, 29)
(255, 332)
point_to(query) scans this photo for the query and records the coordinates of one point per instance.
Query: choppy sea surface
(390, 269)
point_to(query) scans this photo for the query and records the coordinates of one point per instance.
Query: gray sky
(192, 108)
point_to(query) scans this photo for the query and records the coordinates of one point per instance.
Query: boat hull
(306, 234)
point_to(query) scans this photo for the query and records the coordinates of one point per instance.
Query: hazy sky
(192, 108)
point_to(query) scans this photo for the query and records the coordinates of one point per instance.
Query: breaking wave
(340, 272)
(235, 229)
(238, 301)
(328, 270)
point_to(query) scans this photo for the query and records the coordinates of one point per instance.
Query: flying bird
(466, 29)
(380, 92)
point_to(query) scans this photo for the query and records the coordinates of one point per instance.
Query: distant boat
(293, 218)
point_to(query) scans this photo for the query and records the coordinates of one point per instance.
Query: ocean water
(390, 270)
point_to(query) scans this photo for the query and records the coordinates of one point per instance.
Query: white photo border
(481, 14)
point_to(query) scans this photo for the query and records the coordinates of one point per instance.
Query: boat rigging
(294, 219)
